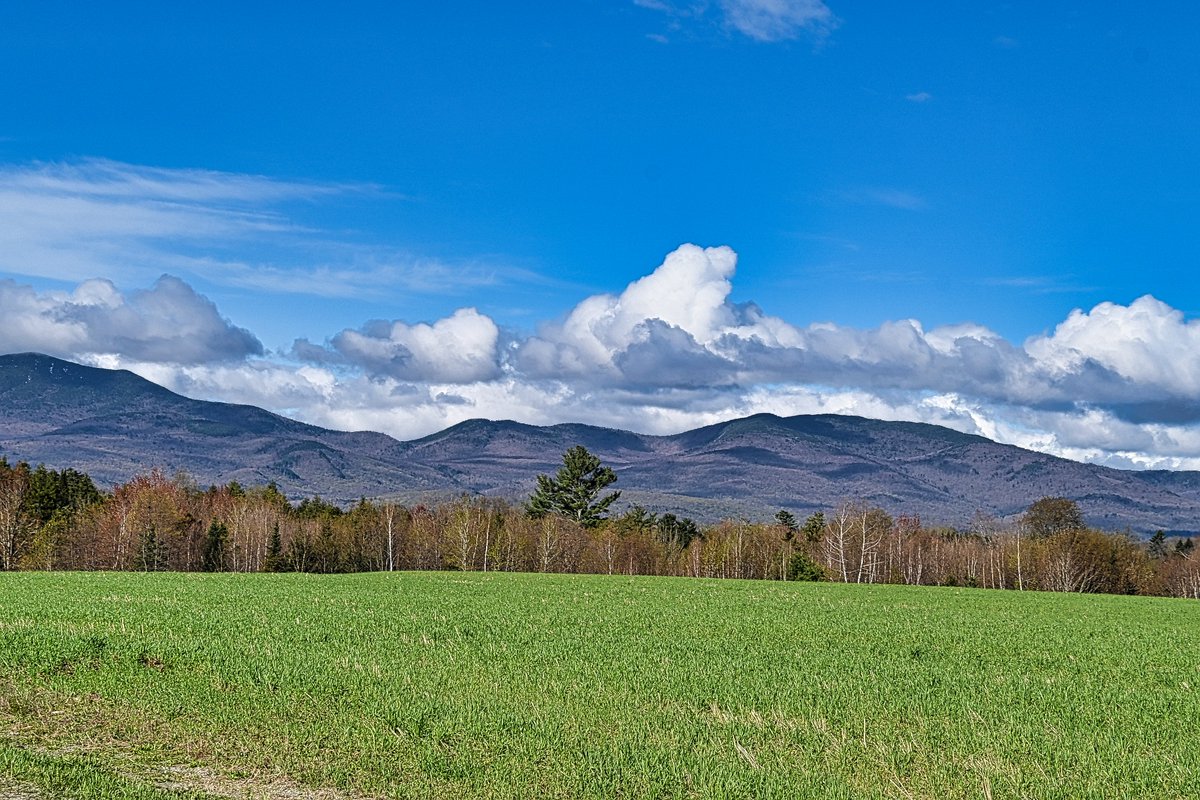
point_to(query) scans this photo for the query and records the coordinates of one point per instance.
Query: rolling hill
(113, 424)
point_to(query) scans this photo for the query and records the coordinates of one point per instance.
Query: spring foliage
(155, 523)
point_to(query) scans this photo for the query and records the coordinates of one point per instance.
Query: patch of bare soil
(48, 725)
(263, 787)
(10, 790)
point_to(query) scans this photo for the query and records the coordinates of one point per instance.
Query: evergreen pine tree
(149, 550)
(213, 556)
(1158, 545)
(788, 520)
(275, 560)
(574, 492)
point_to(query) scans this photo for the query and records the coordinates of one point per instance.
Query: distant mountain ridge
(113, 424)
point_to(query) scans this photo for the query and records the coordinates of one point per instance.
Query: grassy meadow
(473, 685)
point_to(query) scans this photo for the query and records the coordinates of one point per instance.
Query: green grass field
(499, 685)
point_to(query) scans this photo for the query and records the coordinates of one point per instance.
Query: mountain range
(113, 424)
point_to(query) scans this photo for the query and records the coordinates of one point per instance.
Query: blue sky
(398, 216)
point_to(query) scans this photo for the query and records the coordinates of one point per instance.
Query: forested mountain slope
(113, 424)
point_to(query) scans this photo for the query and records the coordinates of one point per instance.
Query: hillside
(113, 424)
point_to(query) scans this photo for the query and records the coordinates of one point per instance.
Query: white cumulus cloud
(1147, 343)
(169, 322)
(458, 349)
(679, 311)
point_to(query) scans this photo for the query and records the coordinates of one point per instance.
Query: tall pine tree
(275, 561)
(574, 492)
(213, 557)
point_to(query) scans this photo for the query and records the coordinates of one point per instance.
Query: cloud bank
(1117, 384)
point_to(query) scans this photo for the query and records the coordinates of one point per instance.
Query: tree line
(61, 521)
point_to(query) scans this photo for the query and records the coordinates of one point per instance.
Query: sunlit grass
(500, 685)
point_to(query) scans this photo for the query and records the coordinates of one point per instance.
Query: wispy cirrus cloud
(98, 217)
(365, 272)
(760, 20)
(1041, 284)
(888, 196)
(130, 223)
(776, 20)
(114, 180)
